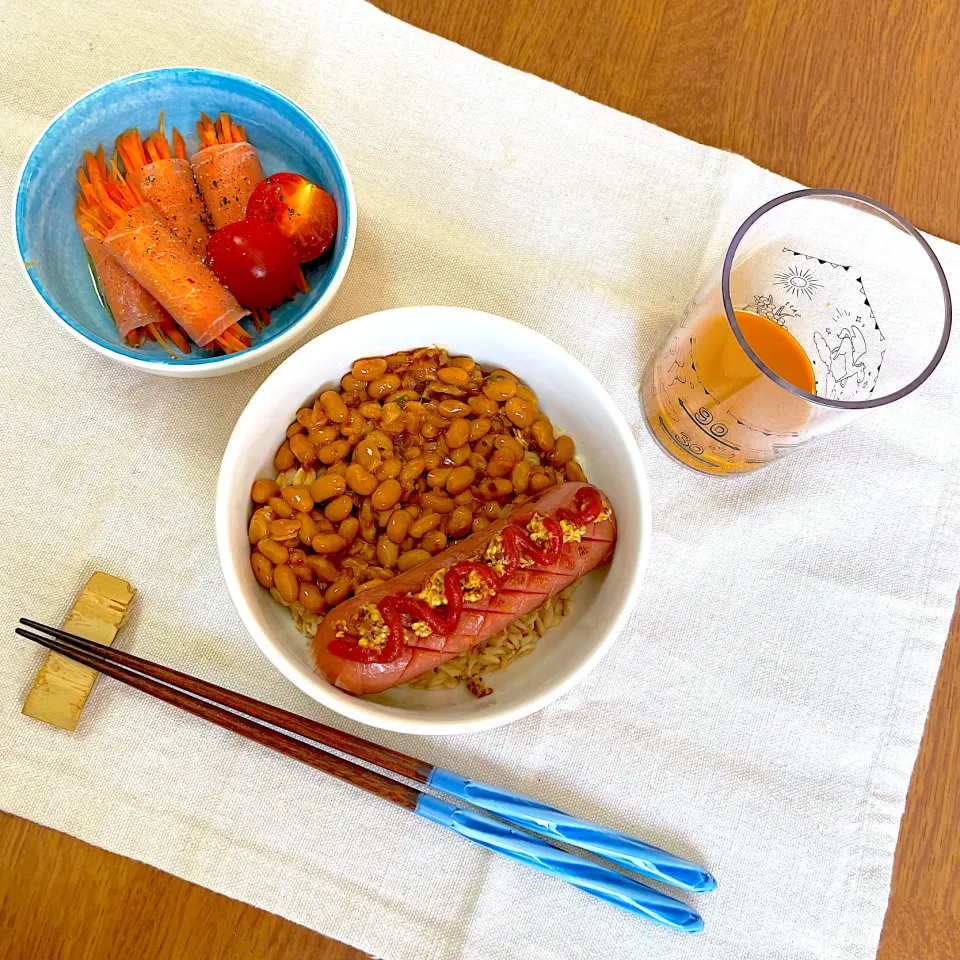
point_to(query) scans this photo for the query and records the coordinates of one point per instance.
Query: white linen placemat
(761, 713)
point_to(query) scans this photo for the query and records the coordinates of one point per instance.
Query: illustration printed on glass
(825, 306)
(798, 281)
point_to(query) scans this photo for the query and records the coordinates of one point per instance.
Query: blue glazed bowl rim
(247, 358)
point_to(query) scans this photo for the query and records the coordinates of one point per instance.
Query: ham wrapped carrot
(132, 307)
(227, 169)
(133, 233)
(136, 313)
(164, 178)
(181, 282)
(413, 622)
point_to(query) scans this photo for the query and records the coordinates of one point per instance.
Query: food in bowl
(227, 168)
(415, 452)
(419, 620)
(147, 228)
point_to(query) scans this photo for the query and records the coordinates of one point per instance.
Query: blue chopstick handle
(513, 807)
(588, 876)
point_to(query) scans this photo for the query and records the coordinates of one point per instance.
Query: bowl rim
(206, 366)
(365, 711)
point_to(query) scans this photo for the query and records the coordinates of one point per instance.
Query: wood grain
(61, 898)
(359, 776)
(861, 96)
(923, 918)
(856, 95)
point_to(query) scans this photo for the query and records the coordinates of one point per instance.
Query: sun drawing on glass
(798, 281)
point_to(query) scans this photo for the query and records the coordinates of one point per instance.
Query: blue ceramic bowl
(49, 243)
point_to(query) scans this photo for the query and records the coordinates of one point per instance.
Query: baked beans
(413, 451)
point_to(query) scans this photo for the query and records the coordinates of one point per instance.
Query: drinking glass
(827, 304)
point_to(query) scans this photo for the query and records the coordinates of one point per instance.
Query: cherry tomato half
(255, 262)
(305, 213)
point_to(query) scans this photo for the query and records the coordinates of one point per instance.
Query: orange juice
(709, 404)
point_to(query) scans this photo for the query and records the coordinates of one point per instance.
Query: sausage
(525, 590)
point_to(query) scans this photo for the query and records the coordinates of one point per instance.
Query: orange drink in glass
(826, 305)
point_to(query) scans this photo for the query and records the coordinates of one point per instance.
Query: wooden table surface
(855, 95)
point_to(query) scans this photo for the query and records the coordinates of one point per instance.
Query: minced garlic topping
(494, 555)
(572, 532)
(433, 593)
(474, 588)
(537, 530)
(373, 632)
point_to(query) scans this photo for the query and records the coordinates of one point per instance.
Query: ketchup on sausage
(516, 543)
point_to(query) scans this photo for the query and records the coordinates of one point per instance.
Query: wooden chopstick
(392, 760)
(218, 705)
(77, 649)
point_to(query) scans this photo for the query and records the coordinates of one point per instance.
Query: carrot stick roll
(166, 182)
(131, 305)
(135, 312)
(111, 210)
(227, 169)
(173, 275)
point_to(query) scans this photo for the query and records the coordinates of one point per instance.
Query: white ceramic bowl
(574, 401)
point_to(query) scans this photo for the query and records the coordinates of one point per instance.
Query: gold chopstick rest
(62, 686)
